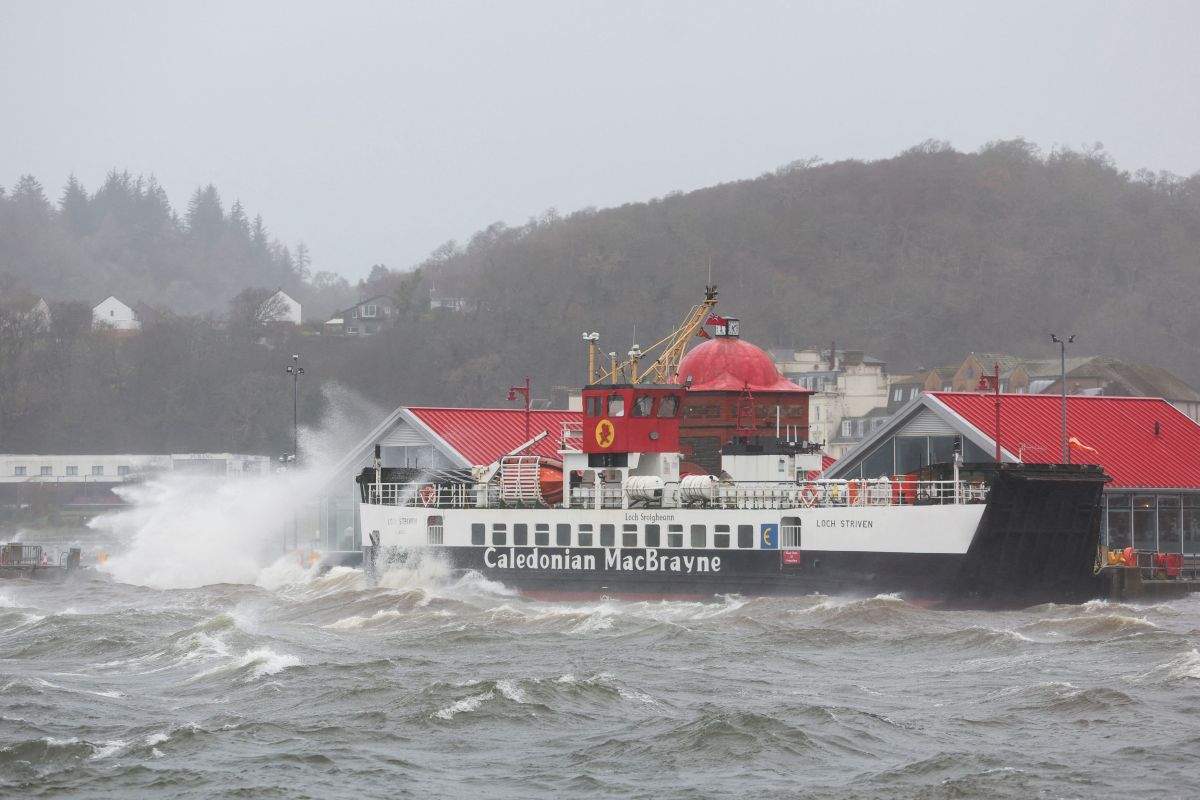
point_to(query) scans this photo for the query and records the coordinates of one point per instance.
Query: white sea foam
(1185, 666)
(184, 530)
(511, 691)
(260, 662)
(379, 617)
(106, 749)
(464, 706)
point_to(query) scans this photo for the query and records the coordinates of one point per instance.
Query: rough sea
(137, 681)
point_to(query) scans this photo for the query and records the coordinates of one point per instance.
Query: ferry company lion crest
(605, 433)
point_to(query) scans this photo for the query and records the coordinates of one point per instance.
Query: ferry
(636, 506)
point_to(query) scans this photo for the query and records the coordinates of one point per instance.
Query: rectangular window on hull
(562, 536)
(675, 536)
(585, 535)
(520, 534)
(746, 536)
(721, 536)
(499, 534)
(629, 536)
(653, 536)
(699, 536)
(478, 533)
(541, 535)
(608, 536)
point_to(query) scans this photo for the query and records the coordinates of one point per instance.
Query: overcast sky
(375, 131)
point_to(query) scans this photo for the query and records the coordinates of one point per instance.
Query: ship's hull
(635, 573)
(1033, 541)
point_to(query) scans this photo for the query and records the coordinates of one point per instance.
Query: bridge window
(668, 406)
(520, 534)
(629, 536)
(616, 405)
(608, 536)
(642, 406)
(653, 536)
(594, 406)
(721, 536)
(585, 535)
(478, 533)
(699, 536)
(563, 535)
(745, 536)
(675, 536)
(541, 535)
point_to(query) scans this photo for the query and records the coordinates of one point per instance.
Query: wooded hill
(125, 239)
(916, 259)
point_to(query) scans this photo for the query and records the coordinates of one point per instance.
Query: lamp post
(295, 370)
(1062, 348)
(513, 391)
(993, 382)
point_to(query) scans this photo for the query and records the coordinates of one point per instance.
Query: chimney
(832, 355)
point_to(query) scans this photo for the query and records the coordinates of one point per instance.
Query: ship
(637, 505)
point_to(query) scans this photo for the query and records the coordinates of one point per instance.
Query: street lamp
(295, 370)
(513, 391)
(1062, 347)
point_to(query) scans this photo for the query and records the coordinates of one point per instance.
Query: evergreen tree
(205, 218)
(74, 208)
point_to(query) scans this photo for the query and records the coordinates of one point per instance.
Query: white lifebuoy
(428, 495)
(808, 495)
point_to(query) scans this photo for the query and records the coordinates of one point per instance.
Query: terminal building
(1145, 444)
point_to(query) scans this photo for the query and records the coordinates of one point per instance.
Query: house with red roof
(1150, 449)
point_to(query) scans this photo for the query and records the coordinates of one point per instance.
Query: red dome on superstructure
(728, 363)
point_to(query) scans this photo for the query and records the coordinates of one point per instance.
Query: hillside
(917, 259)
(125, 239)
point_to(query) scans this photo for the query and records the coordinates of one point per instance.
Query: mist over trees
(916, 259)
(125, 239)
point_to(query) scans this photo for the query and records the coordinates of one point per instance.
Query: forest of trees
(916, 259)
(125, 239)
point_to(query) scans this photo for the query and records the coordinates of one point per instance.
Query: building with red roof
(433, 439)
(1149, 448)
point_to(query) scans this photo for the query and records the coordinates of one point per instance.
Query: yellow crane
(672, 346)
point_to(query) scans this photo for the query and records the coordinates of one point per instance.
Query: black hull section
(1038, 540)
(916, 576)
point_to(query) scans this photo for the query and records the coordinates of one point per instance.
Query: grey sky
(375, 131)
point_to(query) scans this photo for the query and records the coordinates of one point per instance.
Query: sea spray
(183, 530)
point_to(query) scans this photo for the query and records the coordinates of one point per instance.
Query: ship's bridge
(631, 418)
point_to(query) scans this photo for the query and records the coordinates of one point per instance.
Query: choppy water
(303, 686)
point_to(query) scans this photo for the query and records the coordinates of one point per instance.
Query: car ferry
(625, 511)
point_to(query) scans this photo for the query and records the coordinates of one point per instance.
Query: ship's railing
(805, 494)
(572, 436)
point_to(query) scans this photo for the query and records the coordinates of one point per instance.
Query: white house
(280, 307)
(112, 313)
